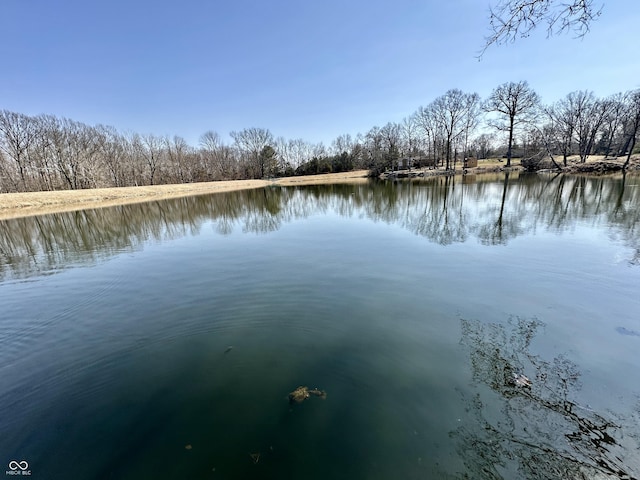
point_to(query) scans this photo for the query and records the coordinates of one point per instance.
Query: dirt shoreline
(15, 205)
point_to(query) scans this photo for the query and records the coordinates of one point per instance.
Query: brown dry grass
(500, 162)
(13, 205)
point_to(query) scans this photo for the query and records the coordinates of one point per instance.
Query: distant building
(407, 163)
(470, 162)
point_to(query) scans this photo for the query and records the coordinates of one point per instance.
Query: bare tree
(17, 134)
(447, 113)
(409, 135)
(293, 153)
(426, 119)
(74, 148)
(358, 151)
(210, 140)
(150, 148)
(44, 169)
(342, 143)
(472, 111)
(290, 154)
(319, 150)
(113, 154)
(562, 116)
(483, 145)
(454, 113)
(178, 153)
(578, 119)
(250, 143)
(374, 148)
(590, 117)
(631, 124)
(216, 163)
(391, 140)
(613, 122)
(515, 103)
(512, 19)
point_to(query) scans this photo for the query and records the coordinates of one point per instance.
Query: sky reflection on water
(411, 304)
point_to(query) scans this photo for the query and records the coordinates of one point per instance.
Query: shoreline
(27, 204)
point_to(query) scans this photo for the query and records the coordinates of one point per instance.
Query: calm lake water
(161, 340)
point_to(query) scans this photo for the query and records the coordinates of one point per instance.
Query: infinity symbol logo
(23, 465)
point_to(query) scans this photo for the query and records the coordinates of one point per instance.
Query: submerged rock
(300, 394)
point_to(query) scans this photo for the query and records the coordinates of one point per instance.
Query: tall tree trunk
(511, 119)
(631, 147)
(448, 153)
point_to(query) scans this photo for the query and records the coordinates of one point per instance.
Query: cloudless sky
(306, 69)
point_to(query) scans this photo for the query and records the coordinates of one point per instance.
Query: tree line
(48, 153)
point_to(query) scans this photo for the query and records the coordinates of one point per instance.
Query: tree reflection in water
(444, 210)
(537, 432)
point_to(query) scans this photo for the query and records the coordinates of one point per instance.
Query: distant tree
(454, 114)
(152, 151)
(342, 143)
(358, 151)
(391, 141)
(319, 150)
(590, 116)
(512, 19)
(613, 121)
(483, 145)
(210, 144)
(315, 166)
(375, 158)
(409, 136)
(43, 171)
(113, 154)
(341, 163)
(178, 153)
(631, 124)
(562, 116)
(381, 147)
(425, 118)
(217, 161)
(471, 118)
(268, 161)
(210, 140)
(292, 153)
(301, 151)
(250, 143)
(515, 103)
(75, 151)
(17, 133)
(577, 120)
(136, 162)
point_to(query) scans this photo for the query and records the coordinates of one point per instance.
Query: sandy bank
(13, 205)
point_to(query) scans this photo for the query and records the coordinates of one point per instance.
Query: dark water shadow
(542, 431)
(627, 332)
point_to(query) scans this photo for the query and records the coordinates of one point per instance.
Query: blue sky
(303, 69)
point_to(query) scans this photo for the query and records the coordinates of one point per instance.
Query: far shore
(15, 205)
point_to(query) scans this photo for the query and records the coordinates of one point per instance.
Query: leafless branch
(513, 19)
